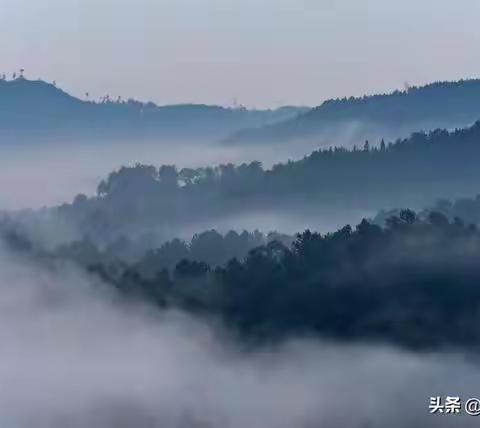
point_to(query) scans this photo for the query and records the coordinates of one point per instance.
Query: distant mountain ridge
(398, 114)
(40, 109)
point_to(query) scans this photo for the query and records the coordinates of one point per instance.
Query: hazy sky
(263, 52)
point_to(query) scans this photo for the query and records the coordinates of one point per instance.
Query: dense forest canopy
(437, 105)
(413, 283)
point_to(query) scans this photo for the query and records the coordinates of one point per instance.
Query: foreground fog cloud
(73, 355)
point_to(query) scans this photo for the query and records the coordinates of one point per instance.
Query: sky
(263, 53)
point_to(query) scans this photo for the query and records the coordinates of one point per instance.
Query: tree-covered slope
(437, 105)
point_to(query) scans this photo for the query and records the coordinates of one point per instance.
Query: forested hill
(36, 109)
(413, 172)
(413, 283)
(437, 105)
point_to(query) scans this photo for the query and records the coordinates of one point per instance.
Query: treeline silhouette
(414, 283)
(411, 172)
(437, 105)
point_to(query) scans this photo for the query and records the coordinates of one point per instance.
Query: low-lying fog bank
(73, 355)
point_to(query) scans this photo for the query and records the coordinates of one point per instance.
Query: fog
(36, 174)
(32, 176)
(290, 221)
(74, 355)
